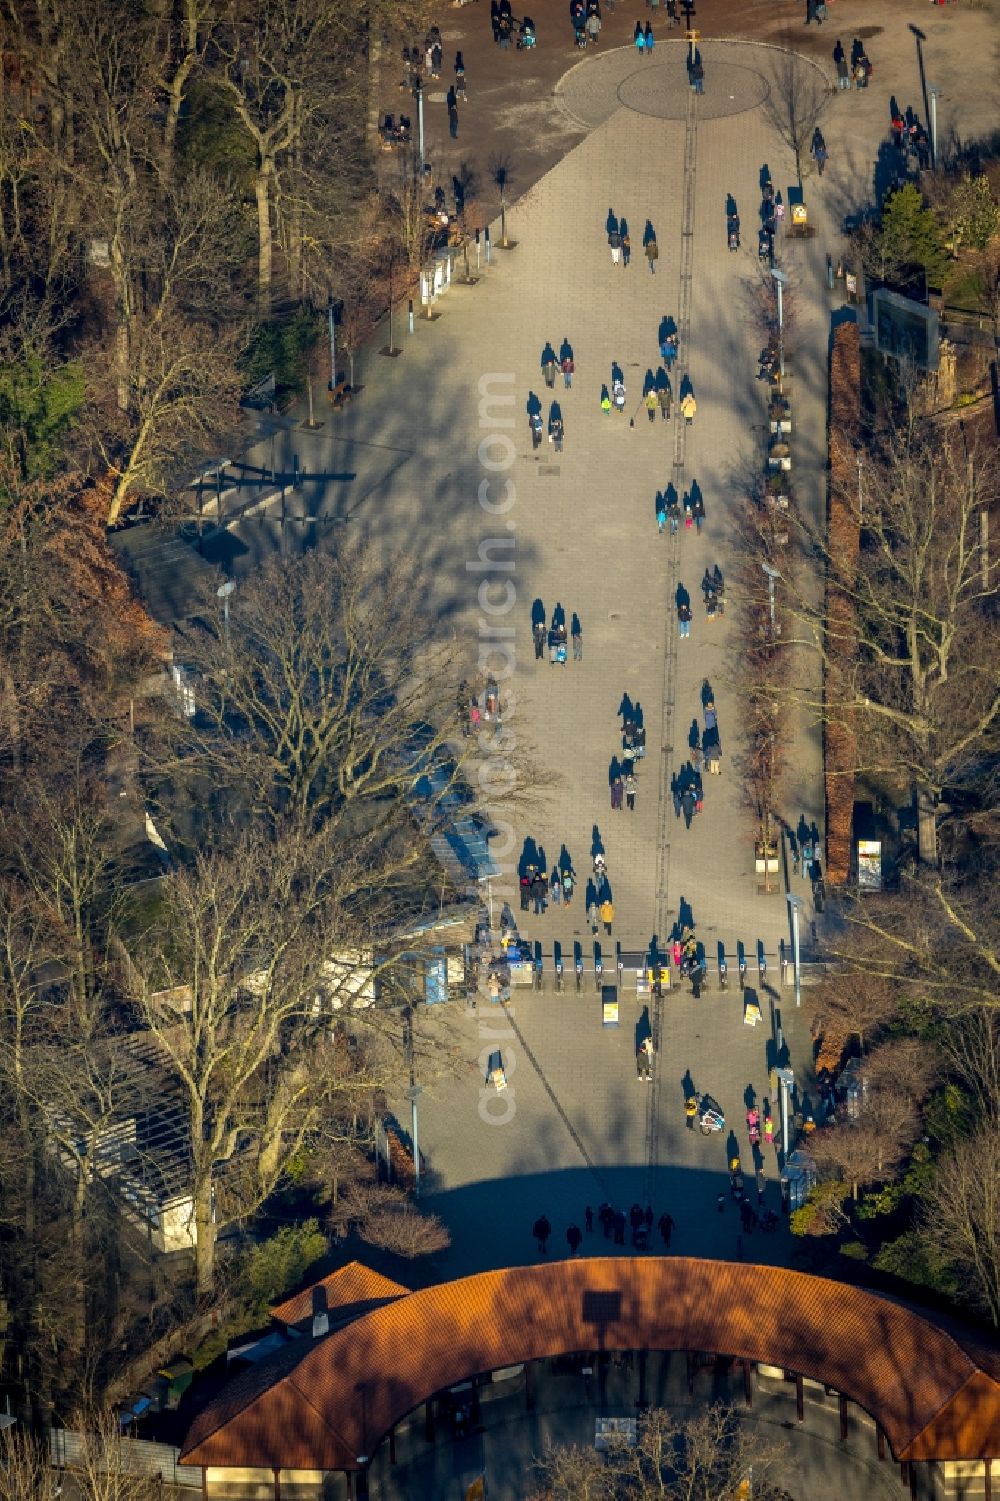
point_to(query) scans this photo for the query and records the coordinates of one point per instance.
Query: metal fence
(136, 1456)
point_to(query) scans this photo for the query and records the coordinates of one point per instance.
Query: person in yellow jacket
(607, 915)
(688, 407)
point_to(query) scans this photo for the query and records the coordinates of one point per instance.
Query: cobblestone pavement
(406, 464)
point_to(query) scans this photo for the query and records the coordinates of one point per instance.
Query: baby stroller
(733, 231)
(526, 34)
(710, 1116)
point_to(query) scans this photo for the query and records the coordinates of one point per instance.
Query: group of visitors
(557, 428)
(556, 636)
(614, 1223)
(552, 364)
(622, 771)
(537, 889)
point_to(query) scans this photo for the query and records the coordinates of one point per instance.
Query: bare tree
(917, 618)
(961, 1215)
(708, 1455)
(796, 102)
(236, 985)
(330, 687)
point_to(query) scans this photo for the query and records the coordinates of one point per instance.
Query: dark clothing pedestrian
(687, 806)
(619, 1228)
(539, 638)
(666, 1228)
(698, 511)
(541, 1230)
(588, 1219)
(649, 1216)
(631, 788)
(617, 791)
(549, 365)
(573, 1239)
(606, 1215)
(636, 1216)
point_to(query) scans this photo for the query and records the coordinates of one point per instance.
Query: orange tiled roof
(334, 1405)
(354, 1286)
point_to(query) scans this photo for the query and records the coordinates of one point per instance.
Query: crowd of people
(614, 1223)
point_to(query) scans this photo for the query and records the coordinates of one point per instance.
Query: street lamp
(780, 279)
(413, 1094)
(224, 591)
(795, 905)
(933, 91)
(772, 574)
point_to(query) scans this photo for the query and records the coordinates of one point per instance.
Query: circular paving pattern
(661, 89)
(739, 76)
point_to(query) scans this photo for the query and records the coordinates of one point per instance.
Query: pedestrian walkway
(436, 458)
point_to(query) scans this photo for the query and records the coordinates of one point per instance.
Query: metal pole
(333, 348)
(794, 903)
(420, 124)
(934, 99)
(414, 1096)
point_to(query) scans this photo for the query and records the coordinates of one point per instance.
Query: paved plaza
(435, 458)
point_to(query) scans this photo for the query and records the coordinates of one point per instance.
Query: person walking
(687, 805)
(607, 915)
(548, 364)
(665, 1225)
(556, 430)
(626, 245)
(617, 789)
(631, 788)
(588, 1219)
(843, 71)
(652, 252)
(567, 366)
(674, 514)
(573, 1239)
(690, 1111)
(541, 1230)
(460, 76)
(698, 510)
(698, 74)
(664, 394)
(639, 37)
(818, 150)
(652, 402)
(650, 39)
(688, 407)
(643, 1056)
(615, 242)
(661, 513)
(619, 1227)
(555, 887)
(684, 618)
(576, 632)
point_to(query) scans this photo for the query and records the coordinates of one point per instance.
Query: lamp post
(772, 574)
(412, 1094)
(933, 92)
(795, 905)
(786, 1079)
(224, 591)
